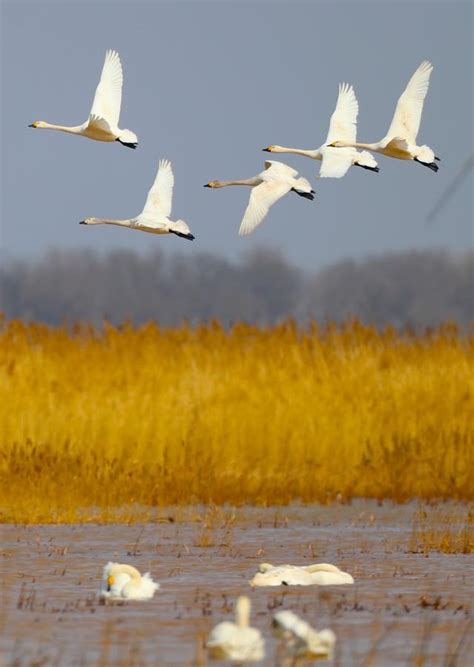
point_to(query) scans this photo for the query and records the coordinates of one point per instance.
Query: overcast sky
(208, 85)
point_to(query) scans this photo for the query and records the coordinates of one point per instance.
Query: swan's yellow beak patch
(110, 581)
(35, 123)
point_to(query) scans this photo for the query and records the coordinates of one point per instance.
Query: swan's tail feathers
(180, 228)
(365, 160)
(306, 195)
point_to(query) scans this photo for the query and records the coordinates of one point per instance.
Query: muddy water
(403, 605)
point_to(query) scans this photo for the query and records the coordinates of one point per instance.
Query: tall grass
(154, 416)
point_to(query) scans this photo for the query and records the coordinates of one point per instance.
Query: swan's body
(268, 187)
(342, 126)
(320, 574)
(155, 216)
(125, 582)
(237, 641)
(300, 639)
(102, 124)
(400, 140)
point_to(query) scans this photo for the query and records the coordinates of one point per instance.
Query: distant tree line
(414, 288)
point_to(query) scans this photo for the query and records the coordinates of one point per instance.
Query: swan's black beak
(207, 185)
(32, 125)
(83, 222)
(266, 150)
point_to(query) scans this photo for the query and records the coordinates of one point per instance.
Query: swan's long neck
(356, 144)
(245, 181)
(242, 612)
(314, 154)
(112, 221)
(76, 129)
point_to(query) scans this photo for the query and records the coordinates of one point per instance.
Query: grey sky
(208, 85)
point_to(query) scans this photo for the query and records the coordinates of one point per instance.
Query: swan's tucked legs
(431, 165)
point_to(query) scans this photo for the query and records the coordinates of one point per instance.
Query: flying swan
(343, 125)
(102, 124)
(237, 641)
(125, 581)
(268, 187)
(155, 216)
(400, 140)
(300, 639)
(320, 574)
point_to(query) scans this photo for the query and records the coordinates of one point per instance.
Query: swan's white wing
(343, 123)
(158, 201)
(406, 119)
(261, 198)
(335, 162)
(108, 95)
(279, 169)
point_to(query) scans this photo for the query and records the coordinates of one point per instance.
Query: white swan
(237, 641)
(125, 581)
(320, 574)
(268, 187)
(102, 124)
(400, 140)
(300, 639)
(155, 216)
(343, 126)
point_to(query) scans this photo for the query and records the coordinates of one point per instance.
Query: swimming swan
(343, 126)
(400, 140)
(155, 216)
(237, 641)
(300, 639)
(268, 187)
(125, 581)
(102, 124)
(321, 574)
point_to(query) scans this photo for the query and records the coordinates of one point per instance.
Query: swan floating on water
(268, 187)
(122, 581)
(320, 574)
(155, 216)
(300, 639)
(237, 641)
(102, 124)
(342, 126)
(400, 140)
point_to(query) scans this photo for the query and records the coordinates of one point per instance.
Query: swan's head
(37, 123)
(213, 184)
(269, 149)
(264, 567)
(336, 144)
(90, 221)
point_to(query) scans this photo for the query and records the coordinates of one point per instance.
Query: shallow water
(403, 604)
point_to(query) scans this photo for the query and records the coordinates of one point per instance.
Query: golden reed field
(140, 417)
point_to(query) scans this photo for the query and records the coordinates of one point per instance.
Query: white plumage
(155, 215)
(269, 186)
(400, 140)
(320, 574)
(102, 124)
(300, 639)
(121, 581)
(237, 641)
(342, 126)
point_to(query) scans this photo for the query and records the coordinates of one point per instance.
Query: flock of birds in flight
(337, 154)
(239, 641)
